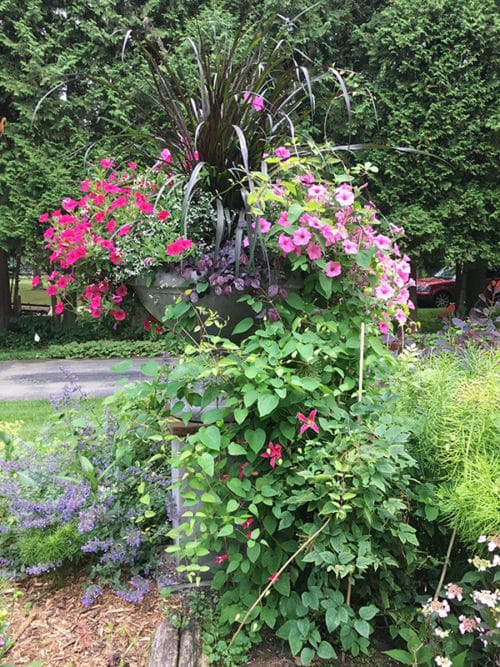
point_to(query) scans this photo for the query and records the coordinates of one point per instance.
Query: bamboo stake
(275, 577)
(361, 361)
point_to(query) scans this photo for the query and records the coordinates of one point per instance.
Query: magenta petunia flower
(178, 247)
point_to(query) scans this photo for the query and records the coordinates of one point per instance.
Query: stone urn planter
(168, 287)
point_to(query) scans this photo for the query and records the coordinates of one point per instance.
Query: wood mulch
(53, 624)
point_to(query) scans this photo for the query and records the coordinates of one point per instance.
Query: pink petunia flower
(163, 215)
(350, 248)
(59, 308)
(383, 327)
(107, 164)
(344, 195)
(255, 100)
(36, 281)
(313, 251)
(301, 236)
(283, 220)
(282, 152)
(333, 269)
(286, 244)
(264, 225)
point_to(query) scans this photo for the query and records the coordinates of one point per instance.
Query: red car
(439, 289)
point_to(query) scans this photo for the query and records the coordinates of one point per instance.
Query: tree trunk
(470, 283)
(16, 301)
(5, 309)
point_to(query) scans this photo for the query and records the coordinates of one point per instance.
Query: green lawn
(34, 295)
(26, 418)
(429, 319)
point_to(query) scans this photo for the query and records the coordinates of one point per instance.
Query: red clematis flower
(308, 422)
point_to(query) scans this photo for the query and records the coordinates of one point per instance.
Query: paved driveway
(36, 379)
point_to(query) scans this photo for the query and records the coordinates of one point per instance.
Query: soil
(53, 625)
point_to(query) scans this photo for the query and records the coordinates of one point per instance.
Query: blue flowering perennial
(96, 500)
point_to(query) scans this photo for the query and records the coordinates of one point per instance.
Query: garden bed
(52, 624)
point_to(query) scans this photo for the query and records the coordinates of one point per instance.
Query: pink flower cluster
(337, 235)
(83, 238)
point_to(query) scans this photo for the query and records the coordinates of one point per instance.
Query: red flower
(118, 314)
(273, 578)
(242, 467)
(163, 215)
(247, 523)
(220, 559)
(178, 247)
(308, 422)
(273, 453)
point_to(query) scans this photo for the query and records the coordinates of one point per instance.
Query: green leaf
(232, 506)
(236, 449)
(326, 651)
(431, 512)
(145, 499)
(310, 599)
(255, 438)
(282, 585)
(266, 403)
(237, 487)
(226, 530)
(332, 619)
(210, 437)
(240, 414)
(207, 464)
(401, 656)
(295, 301)
(294, 212)
(306, 655)
(253, 552)
(212, 416)
(243, 325)
(296, 642)
(368, 612)
(86, 465)
(364, 258)
(362, 627)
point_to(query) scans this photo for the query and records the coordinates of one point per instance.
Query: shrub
(97, 498)
(452, 399)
